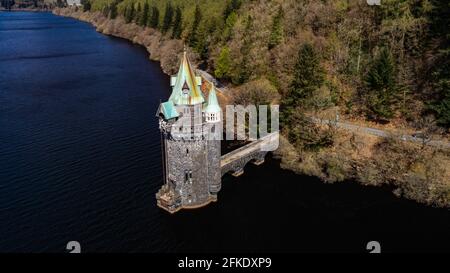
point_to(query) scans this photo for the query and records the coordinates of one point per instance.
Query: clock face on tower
(185, 89)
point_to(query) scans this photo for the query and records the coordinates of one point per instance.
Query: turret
(212, 109)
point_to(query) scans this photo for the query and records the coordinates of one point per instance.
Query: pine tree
(86, 5)
(138, 14)
(132, 13)
(177, 24)
(229, 24)
(244, 70)
(231, 6)
(194, 35)
(276, 35)
(113, 11)
(440, 22)
(223, 65)
(144, 17)
(129, 13)
(382, 86)
(309, 76)
(167, 21)
(441, 78)
(105, 10)
(154, 18)
(202, 43)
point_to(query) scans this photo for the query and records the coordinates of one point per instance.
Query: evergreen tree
(129, 13)
(232, 6)
(105, 10)
(167, 21)
(144, 17)
(441, 77)
(223, 65)
(154, 18)
(138, 14)
(440, 27)
(229, 24)
(113, 11)
(308, 77)
(125, 14)
(276, 35)
(244, 71)
(177, 24)
(202, 43)
(194, 35)
(132, 13)
(86, 5)
(381, 84)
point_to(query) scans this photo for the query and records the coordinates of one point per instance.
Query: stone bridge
(255, 151)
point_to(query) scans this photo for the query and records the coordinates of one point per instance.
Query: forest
(386, 63)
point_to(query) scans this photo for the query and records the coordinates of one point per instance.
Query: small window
(187, 176)
(187, 151)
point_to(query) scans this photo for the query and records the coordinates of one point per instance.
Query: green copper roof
(168, 110)
(213, 104)
(186, 86)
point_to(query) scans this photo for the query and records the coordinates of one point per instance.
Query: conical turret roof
(186, 86)
(213, 104)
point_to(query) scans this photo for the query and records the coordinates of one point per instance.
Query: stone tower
(191, 130)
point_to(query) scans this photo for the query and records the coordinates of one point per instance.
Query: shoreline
(339, 165)
(26, 9)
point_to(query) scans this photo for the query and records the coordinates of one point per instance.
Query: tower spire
(186, 85)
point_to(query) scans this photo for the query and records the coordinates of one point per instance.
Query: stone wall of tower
(214, 171)
(214, 156)
(186, 169)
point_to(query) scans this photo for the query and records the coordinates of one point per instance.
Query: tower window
(187, 151)
(187, 176)
(185, 88)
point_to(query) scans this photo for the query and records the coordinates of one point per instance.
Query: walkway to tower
(255, 151)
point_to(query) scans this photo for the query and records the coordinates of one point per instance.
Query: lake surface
(80, 160)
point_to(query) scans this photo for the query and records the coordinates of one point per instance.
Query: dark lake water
(80, 160)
